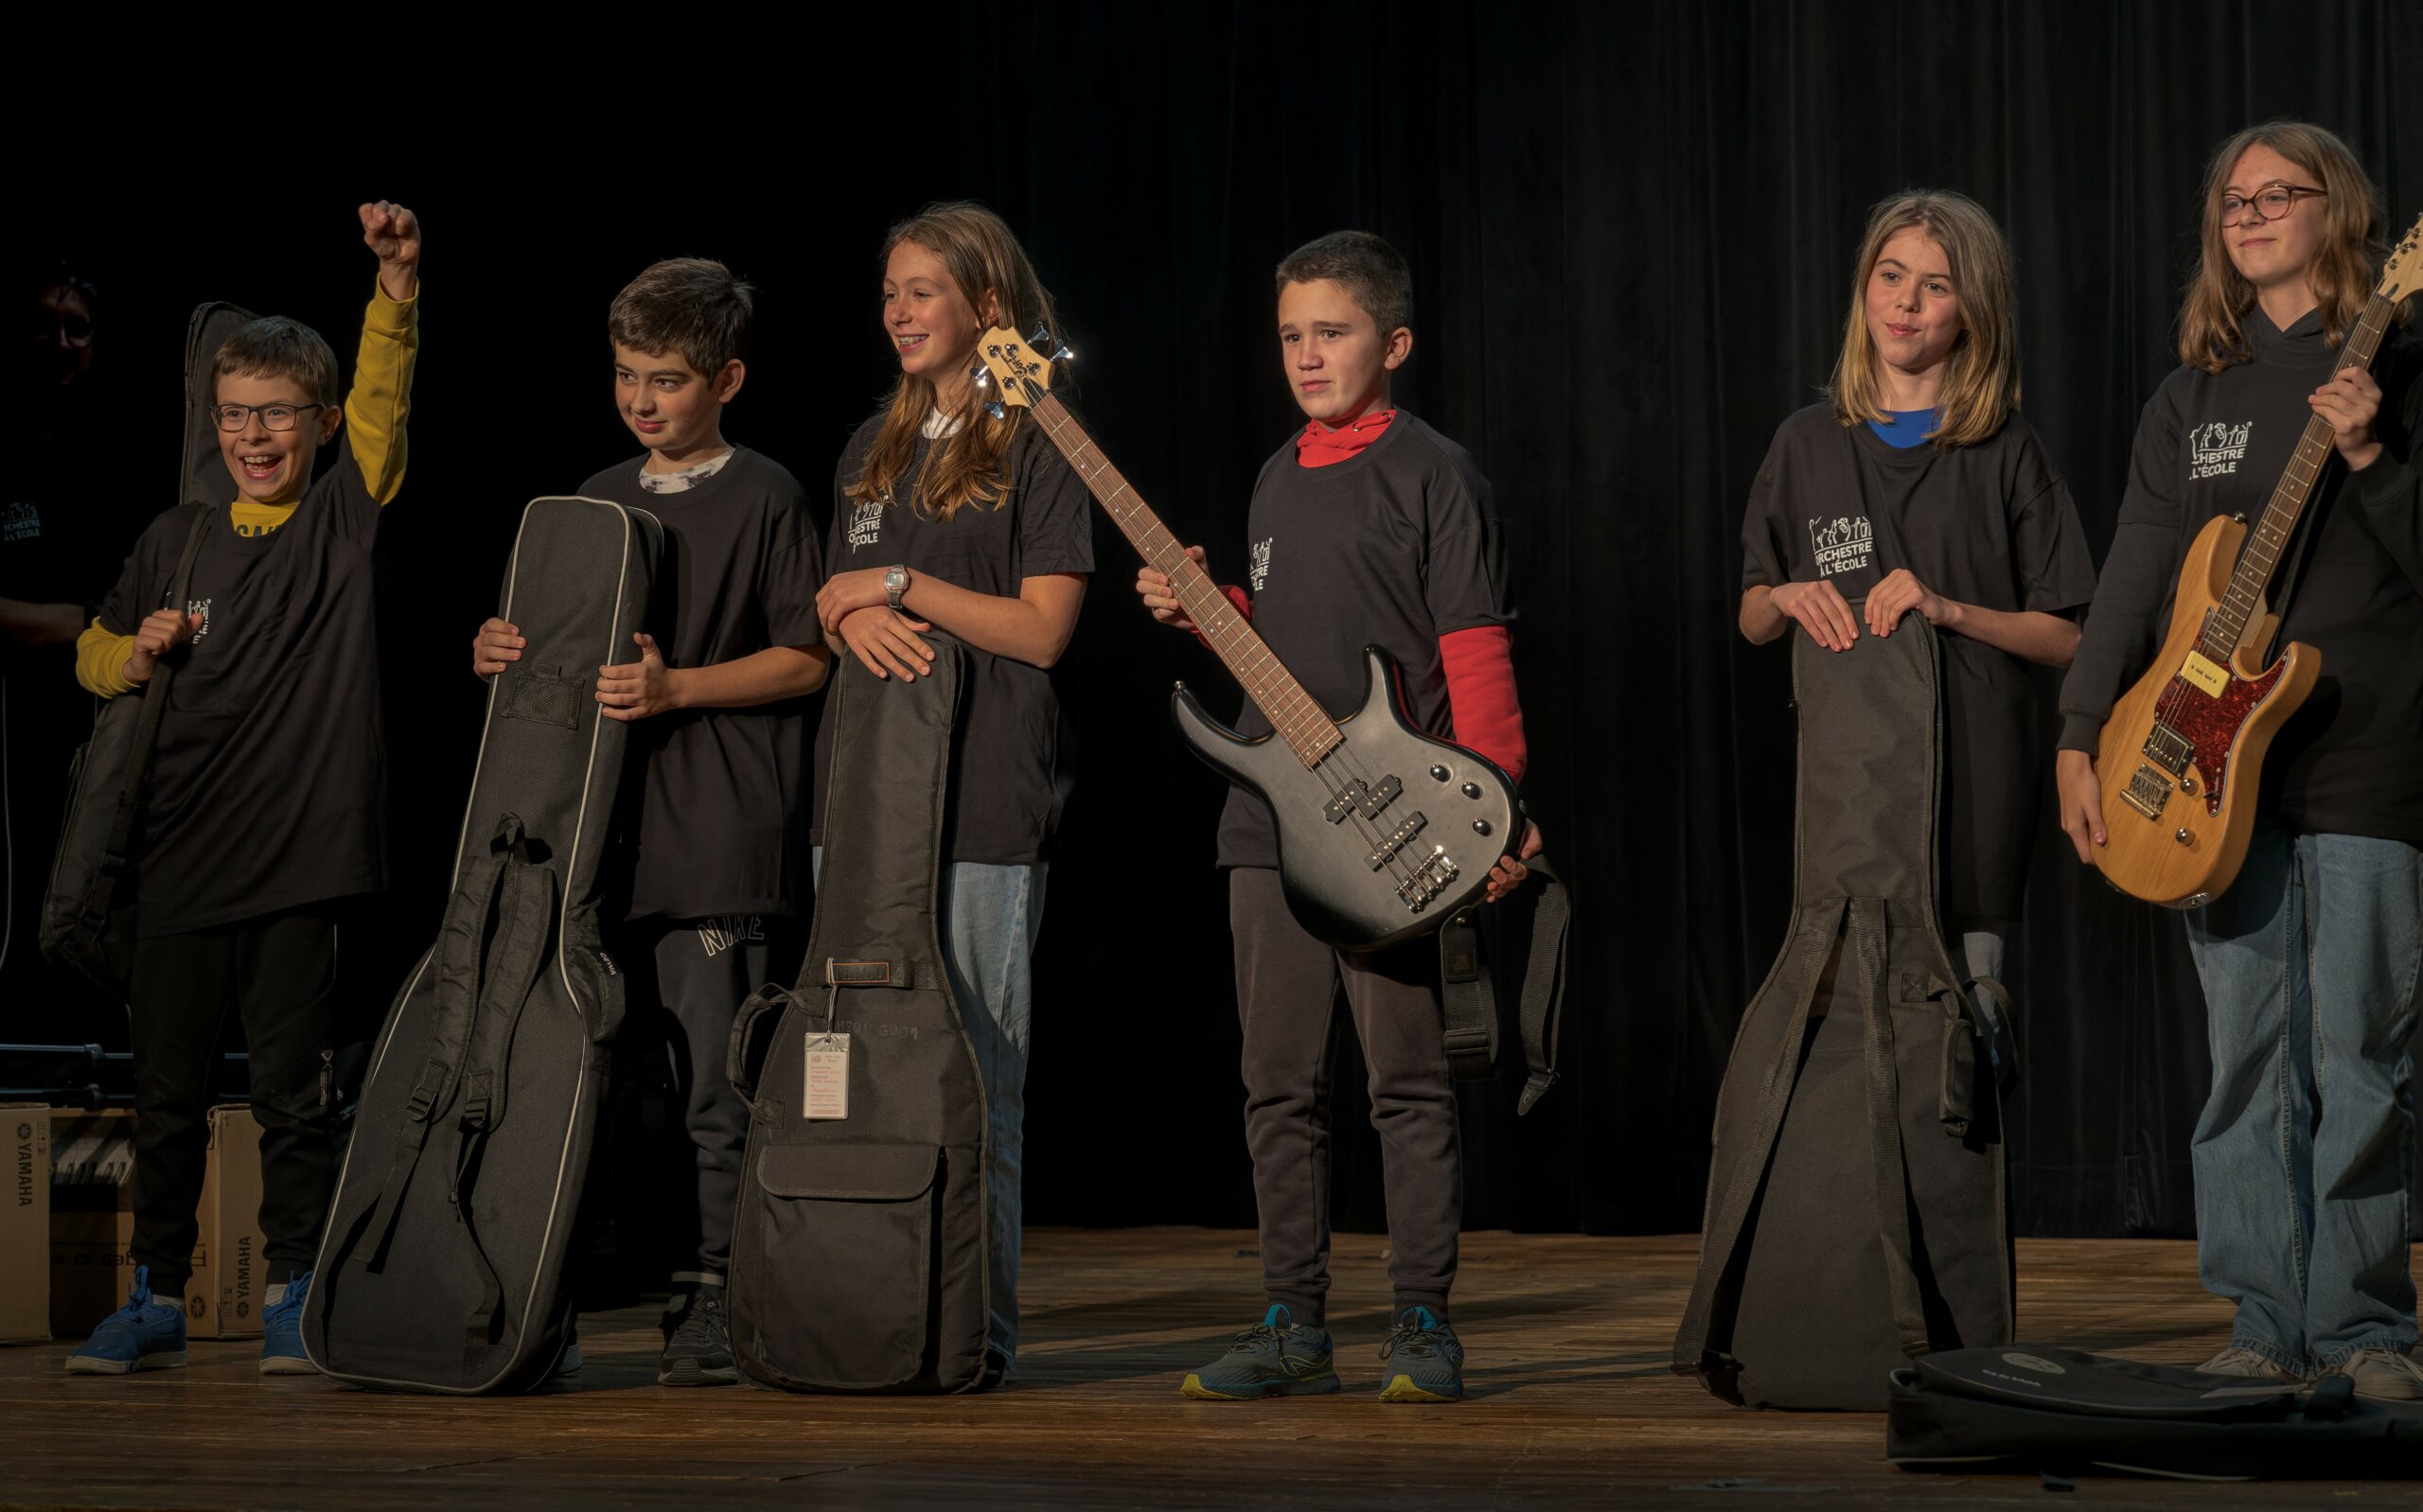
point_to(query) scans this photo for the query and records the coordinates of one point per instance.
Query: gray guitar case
(1857, 1211)
(443, 1265)
(858, 1253)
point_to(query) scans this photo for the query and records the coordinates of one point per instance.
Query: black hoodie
(2352, 761)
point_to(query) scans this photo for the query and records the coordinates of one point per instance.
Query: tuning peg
(1066, 354)
(983, 378)
(995, 408)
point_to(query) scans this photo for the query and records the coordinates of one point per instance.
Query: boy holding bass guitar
(1366, 528)
(2310, 960)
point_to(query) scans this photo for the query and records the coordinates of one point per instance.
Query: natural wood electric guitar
(1385, 832)
(2182, 752)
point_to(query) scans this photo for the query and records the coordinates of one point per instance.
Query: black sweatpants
(278, 974)
(1287, 991)
(688, 980)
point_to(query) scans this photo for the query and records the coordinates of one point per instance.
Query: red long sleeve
(1480, 695)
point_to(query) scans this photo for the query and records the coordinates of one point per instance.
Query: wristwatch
(896, 582)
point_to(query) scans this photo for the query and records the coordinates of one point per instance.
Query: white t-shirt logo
(866, 524)
(2217, 448)
(1840, 544)
(1257, 562)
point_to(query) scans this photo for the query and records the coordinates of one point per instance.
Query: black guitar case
(2051, 1411)
(442, 1268)
(1856, 1207)
(858, 1253)
(88, 904)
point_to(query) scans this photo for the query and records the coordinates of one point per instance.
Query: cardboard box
(24, 1222)
(92, 1224)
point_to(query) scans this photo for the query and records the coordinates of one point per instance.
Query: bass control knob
(1480, 826)
(1472, 790)
(2182, 836)
(1439, 774)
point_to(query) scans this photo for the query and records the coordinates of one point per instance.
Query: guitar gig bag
(1857, 1211)
(858, 1250)
(442, 1266)
(88, 906)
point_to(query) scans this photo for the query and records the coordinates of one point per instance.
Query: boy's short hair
(1372, 273)
(690, 306)
(274, 347)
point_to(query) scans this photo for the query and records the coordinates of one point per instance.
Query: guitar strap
(1468, 990)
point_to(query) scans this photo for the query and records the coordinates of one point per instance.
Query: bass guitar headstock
(1016, 370)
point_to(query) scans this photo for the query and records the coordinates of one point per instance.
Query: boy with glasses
(265, 808)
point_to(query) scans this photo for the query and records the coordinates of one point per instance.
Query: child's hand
(635, 690)
(1153, 586)
(394, 233)
(2351, 401)
(1898, 594)
(1509, 874)
(1819, 609)
(496, 645)
(161, 631)
(845, 593)
(886, 644)
(2082, 802)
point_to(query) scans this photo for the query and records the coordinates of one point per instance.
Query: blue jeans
(990, 917)
(2303, 1155)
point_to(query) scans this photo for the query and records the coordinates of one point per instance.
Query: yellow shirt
(374, 415)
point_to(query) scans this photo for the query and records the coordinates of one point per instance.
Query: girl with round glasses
(2304, 1150)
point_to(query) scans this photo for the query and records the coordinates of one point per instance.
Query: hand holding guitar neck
(1160, 595)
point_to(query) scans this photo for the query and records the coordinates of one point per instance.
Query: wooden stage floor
(1571, 1406)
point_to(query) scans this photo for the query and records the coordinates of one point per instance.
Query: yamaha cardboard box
(92, 1224)
(25, 1223)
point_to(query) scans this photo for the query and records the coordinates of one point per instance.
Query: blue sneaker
(1426, 1362)
(282, 1330)
(145, 1334)
(1272, 1359)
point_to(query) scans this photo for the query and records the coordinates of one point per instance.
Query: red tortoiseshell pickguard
(2212, 724)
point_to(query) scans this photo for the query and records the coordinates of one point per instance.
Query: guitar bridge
(1359, 796)
(2147, 791)
(1396, 839)
(1436, 873)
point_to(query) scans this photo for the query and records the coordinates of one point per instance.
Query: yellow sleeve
(100, 660)
(382, 386)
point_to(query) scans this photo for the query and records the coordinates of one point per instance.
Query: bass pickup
(1396, 840)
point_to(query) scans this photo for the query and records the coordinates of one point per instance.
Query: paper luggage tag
(828, 1077)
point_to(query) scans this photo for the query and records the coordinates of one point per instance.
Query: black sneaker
(698, 1342)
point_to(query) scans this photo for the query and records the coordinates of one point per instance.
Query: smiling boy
(713, 858)
(265, 804)
(1366, 528)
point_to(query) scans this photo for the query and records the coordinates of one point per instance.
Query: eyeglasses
(2270, 202)
(273, 416)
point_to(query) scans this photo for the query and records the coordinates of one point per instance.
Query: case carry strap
(1469, 994)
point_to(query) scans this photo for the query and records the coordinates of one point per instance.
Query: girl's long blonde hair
(982, 257)
(2210, 334)
(1981, 379)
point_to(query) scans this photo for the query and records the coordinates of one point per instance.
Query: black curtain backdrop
(1630, 229)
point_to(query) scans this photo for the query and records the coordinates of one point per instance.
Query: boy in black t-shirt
(714, 860)
(1366, 528)
(239, 864)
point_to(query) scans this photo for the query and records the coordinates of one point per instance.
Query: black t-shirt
(720, 809)
(1394, 547)
(2349, 761)
(1990, 525)
(269, 781)
(1010, 759)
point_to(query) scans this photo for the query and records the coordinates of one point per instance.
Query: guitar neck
(2260, 558)
(1293, 714)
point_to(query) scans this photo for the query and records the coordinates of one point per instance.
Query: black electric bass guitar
(1384, 833)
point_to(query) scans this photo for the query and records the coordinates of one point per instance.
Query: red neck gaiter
(1317, 447)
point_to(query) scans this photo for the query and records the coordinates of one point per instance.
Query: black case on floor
(442, 1268)
(2037, 1408)
(858, 1250)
